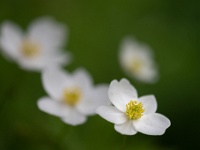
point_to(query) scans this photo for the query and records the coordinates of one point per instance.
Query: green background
(170, 27)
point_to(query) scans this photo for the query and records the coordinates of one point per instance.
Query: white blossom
(39, 47)
(137, 61)
(130, 113)
(72, 97)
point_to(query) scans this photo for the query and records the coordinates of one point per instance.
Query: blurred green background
(170, 27)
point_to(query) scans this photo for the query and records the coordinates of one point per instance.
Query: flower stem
(124, 142)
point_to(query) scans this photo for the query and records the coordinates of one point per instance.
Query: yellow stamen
(72, 96)
(134, 110)
(30, 49)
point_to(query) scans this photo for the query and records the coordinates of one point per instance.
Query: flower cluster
(73, 96)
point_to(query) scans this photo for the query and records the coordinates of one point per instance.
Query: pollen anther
(134, 110)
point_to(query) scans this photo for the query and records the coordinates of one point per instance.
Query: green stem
(124, 142)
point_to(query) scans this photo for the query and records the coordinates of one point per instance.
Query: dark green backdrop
(170, 27)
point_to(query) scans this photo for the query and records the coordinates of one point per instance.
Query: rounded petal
(131, 48)
(101, 95)
(45, 61)
(94, 99)
(59, 58)
(53, 107)
(111, 114)
(121, 93)
(75, 118)
(83, 78)
(149, 103)
(126, 128)
(11, 39)
(47, 32)
(148, 73)
(152, 124)
(54, 81)
(36, 64)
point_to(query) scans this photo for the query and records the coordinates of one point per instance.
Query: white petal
(101, 95)
(47, 32)
(152, 124)
(87, 105)
(111, 114)
(53, 107)
(75, 118)
(11, 39)
(149, 103)
(121, 93)
(59, 58)
(148, 74)
(83, 79)
(54, 81)
(97, 97)
(126, 128)
(140, 49)
(45, 61)
(36, 64)
(130, 50)
(67, 114)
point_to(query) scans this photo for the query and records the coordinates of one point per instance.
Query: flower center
(136, 65)
(30, 49)
(72, 96)
(134, 110)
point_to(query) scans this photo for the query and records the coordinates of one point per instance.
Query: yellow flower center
(30, 49)
(134, 110)
(136, 65)
(72, 96)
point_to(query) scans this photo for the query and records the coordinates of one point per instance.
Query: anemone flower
(38, 48)
(131, 114)
(72, 97)
(137, 61)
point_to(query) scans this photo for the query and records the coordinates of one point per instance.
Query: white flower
(131, 114)
(137, 61)
(72, 97)
(39, 47)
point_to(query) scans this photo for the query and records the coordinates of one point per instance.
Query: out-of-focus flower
(137, 61)
(39, 47)
(131, 114)
(72, 96)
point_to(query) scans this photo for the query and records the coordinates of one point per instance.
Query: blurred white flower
(72, 97)
(137, 61)
(131, 114)
(40, 47)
